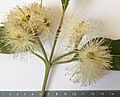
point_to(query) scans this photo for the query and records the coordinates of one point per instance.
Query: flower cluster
(25, 24)
(28, 26)
(94, 61)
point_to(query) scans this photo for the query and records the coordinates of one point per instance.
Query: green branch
(38, 56)
(66, 61)
(62, 56)
(65, 3)
(42, 48)
(56, 37)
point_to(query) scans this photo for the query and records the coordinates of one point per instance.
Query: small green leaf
(3, 50)
(65, 3)
(116, 63)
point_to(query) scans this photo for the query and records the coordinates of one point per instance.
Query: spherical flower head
(94, 61)
(31, 18)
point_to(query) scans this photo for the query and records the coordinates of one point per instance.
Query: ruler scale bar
(84, 93)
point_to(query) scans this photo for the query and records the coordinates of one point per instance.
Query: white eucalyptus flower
(94, 61)
(76, 28)
(26, 24)
(31, 18)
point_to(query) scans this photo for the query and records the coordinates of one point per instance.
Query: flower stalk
(62, 56)
(34, 53)
(43, 49)
(66, 61)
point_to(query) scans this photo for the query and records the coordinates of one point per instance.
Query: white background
(16, 75)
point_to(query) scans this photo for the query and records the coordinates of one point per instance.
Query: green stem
(42, 48)
(56, 37)
(62, 56)
(38, 56)
(47, 70)
(39, 42)
(66, 61)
